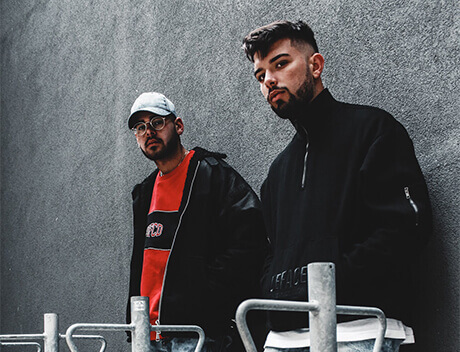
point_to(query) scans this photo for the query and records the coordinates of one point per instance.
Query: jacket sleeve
(394, 208)
(239, 263)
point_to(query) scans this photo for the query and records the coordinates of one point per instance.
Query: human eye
(281, 63)
(260, 77)
(156, 122)
(139, 128)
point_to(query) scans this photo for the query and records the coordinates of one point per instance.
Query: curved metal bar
(89, 337)
(36, 344)
(368, 311)
(266, 304)
(69, 337)
(183, 328)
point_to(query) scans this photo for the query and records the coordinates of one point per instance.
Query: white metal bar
(21, 337)
(322, 311)
(89, 337)
(265, 304)
(51, 333)
(69, 336)
(50, 337)
(183, 328)
(36, 344)
(323, 322)
(140, 327)
(368, 311)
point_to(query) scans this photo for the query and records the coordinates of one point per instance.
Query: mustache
(158, 140)
(271, 89)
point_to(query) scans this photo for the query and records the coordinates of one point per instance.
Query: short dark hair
(261, 39)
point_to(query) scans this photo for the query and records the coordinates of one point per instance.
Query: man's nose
(150, 130)
(270, 80)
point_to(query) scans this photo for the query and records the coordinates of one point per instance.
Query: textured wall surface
(70, 71)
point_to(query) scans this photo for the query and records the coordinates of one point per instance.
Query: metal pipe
(69, 337)
(21, 337)
(89, 337)
(51, 336)
(141, 320)
(323, 322)
(265, 304)
(183, 328)
(140, 327)
(51, 333)
(368, 311)
(36, 344)
(322, 308)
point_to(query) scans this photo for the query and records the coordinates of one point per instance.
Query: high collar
(318, 112)
(199, 154)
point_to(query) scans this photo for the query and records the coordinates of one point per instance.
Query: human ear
(316, 62)
(179, 126)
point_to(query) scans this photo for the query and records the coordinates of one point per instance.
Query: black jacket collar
(318, 114)
(200, 154)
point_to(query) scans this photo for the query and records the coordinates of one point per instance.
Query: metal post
(141, 321)
(51, 333)
(323, 322)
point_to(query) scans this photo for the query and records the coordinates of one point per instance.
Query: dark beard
(169, 150)
(296, 104)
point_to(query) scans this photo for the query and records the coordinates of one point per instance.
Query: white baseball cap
(153, 102)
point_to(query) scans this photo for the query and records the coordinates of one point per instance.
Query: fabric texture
(347, 189)
(389, 345)
(218, 249)
(356, 330)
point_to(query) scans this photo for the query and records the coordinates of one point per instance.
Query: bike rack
(321, 307)
(140, 327)
(50, 336)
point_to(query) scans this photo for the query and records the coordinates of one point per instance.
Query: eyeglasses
(156, 122)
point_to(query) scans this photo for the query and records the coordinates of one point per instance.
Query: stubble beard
(164, 150)
(296, 104)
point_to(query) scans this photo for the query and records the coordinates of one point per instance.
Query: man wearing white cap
(199, 237)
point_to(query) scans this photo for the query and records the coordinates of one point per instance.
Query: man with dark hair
(347, 189)
(199, 238)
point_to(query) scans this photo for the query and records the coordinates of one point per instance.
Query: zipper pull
(406, 192)
(412, 204)
(157, 333)
(304, 172)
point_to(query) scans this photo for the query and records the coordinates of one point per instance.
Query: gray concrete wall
(70, 71)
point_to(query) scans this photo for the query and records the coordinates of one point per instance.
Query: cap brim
(159, 112)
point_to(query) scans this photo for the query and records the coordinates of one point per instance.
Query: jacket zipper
(157, 338)
(412, 203)
(304, 173)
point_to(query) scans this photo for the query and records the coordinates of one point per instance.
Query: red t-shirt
(162, 222)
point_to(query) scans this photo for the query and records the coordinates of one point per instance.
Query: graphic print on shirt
(161, 229)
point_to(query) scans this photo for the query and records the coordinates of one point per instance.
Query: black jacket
(217, 254)
(347, 189)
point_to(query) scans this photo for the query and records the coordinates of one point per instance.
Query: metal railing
(36, 344)
(321, 307)
(50, 336)
(140, 328)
